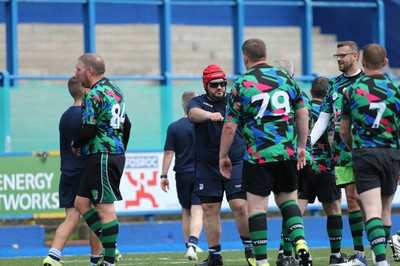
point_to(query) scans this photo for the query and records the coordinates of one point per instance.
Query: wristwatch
(163, 176)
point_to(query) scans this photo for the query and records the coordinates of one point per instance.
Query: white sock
(337, 255)
(261, 262)
(55, 253)
(382, 263)
(359, 254)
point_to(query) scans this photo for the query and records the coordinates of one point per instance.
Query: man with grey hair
(180, 142)
(284, 64)
(285, 246)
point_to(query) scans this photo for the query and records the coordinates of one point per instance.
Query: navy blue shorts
(212, 189)
(68, 188)
(261, 179)
(185, 184)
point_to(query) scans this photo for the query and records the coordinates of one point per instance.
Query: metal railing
(10, 76)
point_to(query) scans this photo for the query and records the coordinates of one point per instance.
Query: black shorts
(321, 185)
(376, 167)
(68, 188)
(212, 190)
(303, 175)
(102, 177)
(261, 179)
(185, 184)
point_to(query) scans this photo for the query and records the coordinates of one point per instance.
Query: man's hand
(164, 184)
(225, 167)
(77, 151)
(198, 115)
(301, 161)
(215, 117)
(398, 178)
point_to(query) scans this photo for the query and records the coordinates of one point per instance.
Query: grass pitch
(320, 258)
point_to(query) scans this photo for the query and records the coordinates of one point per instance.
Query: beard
(213, 97)
(85, 82)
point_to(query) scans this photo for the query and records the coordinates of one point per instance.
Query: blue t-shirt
(69, 127)
(208, 139)
(180, 139)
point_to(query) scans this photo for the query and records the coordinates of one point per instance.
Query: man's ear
(245, 59)
(90, 71)
(385, 62)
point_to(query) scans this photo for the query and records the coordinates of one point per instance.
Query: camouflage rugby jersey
(104, 107)
(332, 104)
(263, 101)
(321, 151)
(373, 103)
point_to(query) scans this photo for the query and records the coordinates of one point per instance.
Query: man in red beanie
(207, 112)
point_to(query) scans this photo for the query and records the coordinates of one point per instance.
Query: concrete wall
(52, 49)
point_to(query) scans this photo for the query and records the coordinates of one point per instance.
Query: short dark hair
(318, 87)
(374, 56)
(254, 49)
(351, 44)
(75, 87)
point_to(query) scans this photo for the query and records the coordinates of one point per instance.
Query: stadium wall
(346, 23)
(349, 24)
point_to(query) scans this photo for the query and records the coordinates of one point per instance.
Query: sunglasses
(215, 85)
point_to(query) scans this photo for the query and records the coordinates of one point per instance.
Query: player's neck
(77, 103)
(352, 72)
(95, 80)
(369, 72)
(253, 64)
(317, 99)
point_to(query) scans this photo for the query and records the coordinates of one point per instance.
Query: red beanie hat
(212, 72)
